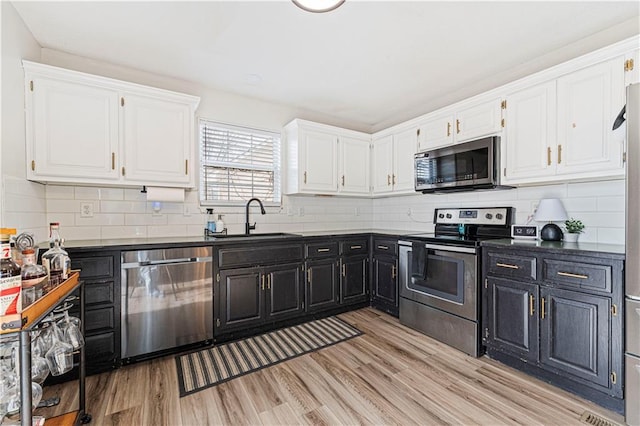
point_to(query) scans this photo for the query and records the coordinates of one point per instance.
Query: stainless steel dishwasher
(167, 299)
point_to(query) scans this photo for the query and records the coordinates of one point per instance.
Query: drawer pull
(507, 265)
(569, 274)
(393, 272)
(531, 312)
(383, 248)
(355, 247)
(542, 312)
(262, 279)
(323, 250)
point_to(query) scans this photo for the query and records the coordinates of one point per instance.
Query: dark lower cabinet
(250, 297)
(514, 325)
(575, 334)
(557, 314)
(384, 294)
(322, 284)
(354, 279)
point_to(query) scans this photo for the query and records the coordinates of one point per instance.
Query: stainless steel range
(440, 273)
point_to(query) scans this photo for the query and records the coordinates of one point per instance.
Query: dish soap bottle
(211, 223)
(219, 224)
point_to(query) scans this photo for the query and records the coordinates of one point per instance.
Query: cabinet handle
(548, 156)
(113, 161)
(309, 275)
(542, 311)
(305, 177)
(269, 282)
(355, 247)
(457, 126)
(531, 312)
(507, 265)
(383, 248)
(121, 101)
(393, 272)
(389, 180)
(342, 180)
(262, 279)
(186, 167)
(614, 377)
(393, 179)
(122, 170)
(614, 310)
(344, 272)
(323, 250)
(569, 274)
(559, 154)
(448, 129)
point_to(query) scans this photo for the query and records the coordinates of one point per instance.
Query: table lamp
(550, 210)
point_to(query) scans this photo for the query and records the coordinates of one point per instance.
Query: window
(238, 163)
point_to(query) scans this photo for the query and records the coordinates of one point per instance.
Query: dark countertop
(146, 243)
(559, 246)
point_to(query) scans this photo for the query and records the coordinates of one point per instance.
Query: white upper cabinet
(588, 102)
(530, 133)
(354, 165)
(325, 160)
(150, 123)
(461, 124)
(562, 129)
(86, 149)
(87, 129)
(392, 165)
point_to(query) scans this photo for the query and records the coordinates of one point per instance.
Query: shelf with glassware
(41, 339)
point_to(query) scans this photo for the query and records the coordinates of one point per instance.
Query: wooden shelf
(67, 419)
(34, 312)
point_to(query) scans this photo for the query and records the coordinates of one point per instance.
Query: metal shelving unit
(22, 324)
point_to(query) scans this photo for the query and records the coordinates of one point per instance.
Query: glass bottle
(55, 260)
(34, 277)
(10, 288)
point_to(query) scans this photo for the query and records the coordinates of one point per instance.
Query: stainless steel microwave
(462, 167)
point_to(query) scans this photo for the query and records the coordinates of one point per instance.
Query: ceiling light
(318, 6)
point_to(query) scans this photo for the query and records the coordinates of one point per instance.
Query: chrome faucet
(247, 227)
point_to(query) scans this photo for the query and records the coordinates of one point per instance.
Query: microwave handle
(450, 248)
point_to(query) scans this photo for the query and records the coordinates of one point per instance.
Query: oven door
(443, 277)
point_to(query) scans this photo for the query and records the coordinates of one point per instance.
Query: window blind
(238, 163)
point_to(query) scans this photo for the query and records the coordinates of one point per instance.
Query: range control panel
(498, 216)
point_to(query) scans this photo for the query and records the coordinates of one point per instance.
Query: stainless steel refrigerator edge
(632, 264)
(167, 299)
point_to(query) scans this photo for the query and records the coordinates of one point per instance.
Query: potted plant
(574, 228)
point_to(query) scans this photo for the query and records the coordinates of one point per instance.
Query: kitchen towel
(158, 193)
(209, 367)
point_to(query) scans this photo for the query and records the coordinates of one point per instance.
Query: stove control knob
(449, 216)
(441, 215)
(488, 216)
(499, 216)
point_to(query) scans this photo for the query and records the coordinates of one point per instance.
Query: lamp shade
(550, 210)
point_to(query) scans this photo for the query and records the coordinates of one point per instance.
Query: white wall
(600, 206)
(22, 204)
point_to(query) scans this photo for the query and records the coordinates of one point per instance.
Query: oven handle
(450, 248)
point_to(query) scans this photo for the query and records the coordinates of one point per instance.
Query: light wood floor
(390, 375)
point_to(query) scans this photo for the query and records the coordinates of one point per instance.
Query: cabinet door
(353, 279)
(354, 166)
(72, 131)
(382, 165)
(530, 133)
(405, 147)
(513, 319)
(477, 121)
(284, 291)
(240, 298)
(157, 141)
(319, 162)
(588, 102)
(436, 133)
(575, 334)
(385, 279)
(322, 284)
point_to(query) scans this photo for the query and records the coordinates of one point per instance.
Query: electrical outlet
(356, 211)
(409, 211)
(86, 210)
(289, 211)
(186, 211)
(534, 207)
(300, 211)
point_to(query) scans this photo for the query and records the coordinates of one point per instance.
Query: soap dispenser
(219, 224)
(211, 223)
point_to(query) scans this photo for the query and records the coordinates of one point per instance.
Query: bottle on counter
(34, 277)
(55, 260)
(219, 224)
(10, 285)
(211, 223)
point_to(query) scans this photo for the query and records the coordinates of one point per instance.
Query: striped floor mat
(209, 367)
